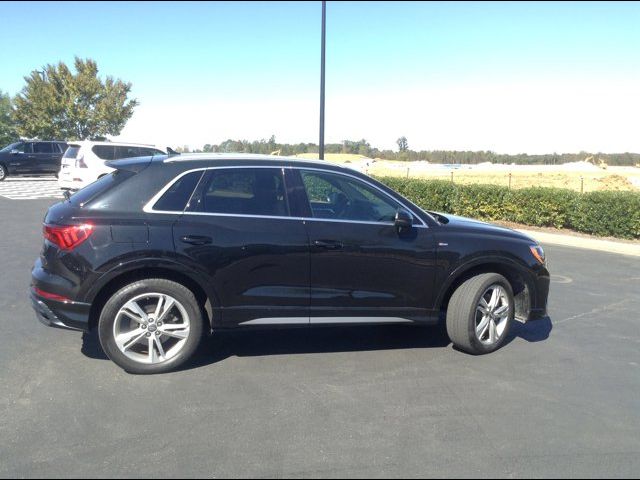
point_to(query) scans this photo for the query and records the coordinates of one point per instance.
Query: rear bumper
(60, 311)
(67, 315)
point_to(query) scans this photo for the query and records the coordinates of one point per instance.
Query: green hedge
(615, 214)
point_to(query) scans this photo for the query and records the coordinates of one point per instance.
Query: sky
(508, 77)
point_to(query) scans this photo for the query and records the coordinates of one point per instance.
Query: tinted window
(104, 152)
(42, 147)
(101, 185)
(339, 197)
(58, 147)
(14, 146)
(127, 152)
(26, 148)
(245, 191)
(71, 152)
(176, 197)
(147, 152)
(11, 146)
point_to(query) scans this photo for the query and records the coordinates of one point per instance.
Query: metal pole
(321, 144)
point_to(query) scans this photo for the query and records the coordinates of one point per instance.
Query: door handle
(328, 244)
(196, 239)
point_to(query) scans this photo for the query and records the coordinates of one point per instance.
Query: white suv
(84, 162)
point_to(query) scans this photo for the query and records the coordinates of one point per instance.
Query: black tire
(461, 313)
(151, 285)
(3, 172)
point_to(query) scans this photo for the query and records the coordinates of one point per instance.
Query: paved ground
(562, 399)
(30, 188)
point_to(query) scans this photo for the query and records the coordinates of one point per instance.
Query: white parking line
(29, 188)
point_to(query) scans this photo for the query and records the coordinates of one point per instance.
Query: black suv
(31, 158)
(165, 249)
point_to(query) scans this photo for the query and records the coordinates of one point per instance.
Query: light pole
(321, 144)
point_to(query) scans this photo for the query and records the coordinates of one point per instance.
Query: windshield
(8, 148)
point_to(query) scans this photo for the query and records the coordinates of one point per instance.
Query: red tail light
(67, 237)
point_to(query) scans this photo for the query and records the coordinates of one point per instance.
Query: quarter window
(244, 191)
(178, 194)
(338, 197)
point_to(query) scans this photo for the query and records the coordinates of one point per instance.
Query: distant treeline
(362, 147)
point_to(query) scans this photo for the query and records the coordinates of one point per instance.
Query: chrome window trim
(148, 208)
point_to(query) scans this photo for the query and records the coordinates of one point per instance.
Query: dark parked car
(165, 249)
(31, 158)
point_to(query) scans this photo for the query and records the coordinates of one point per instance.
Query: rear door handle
(328, 244)
(196, 239)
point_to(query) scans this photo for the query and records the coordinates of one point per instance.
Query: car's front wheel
(151, 326)
(3, 172)
(480, 313)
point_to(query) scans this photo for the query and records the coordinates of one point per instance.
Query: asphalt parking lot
(561, 399)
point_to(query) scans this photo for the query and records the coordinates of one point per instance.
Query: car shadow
(327, 339)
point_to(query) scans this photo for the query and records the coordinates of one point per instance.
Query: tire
(153, 345)
(3, 172)
(468, 327)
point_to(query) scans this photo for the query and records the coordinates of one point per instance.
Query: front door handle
(196, 239)
(328, 244)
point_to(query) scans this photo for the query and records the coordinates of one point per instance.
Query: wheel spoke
(153, 357)
(128, 339)
(168, 305)
(494, 298)
(175, 330)
(483, 306)
(133, 311)
(481, 329)
(161, 299)
(499, 312)
(159, 346)
(493, 335)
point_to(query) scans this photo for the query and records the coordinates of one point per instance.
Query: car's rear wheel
(3, 172)
(480, 313)
(151, 326)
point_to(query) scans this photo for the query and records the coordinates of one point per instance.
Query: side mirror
(15, 152)
(404, 219)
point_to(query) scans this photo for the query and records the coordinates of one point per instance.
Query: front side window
(338, 197)
(244, 191)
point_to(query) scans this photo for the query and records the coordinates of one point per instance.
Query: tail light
(80, 162)
(67, 237)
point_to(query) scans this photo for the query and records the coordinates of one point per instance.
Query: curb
(586, 243)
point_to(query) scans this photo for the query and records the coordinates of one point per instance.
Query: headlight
(538, 252)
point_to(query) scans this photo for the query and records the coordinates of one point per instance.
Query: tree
(403, 145)
(8, 131)
(64, 105)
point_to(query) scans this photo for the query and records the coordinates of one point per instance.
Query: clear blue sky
(257, 50)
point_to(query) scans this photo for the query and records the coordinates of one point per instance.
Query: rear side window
(100, 186)
(244, 191)
(176, 197)
(126, 152)
(71, 152)
(104, 152)
(147, 152)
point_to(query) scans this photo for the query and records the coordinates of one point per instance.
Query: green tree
(8, 131)
(403, 145)
(64, 105)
